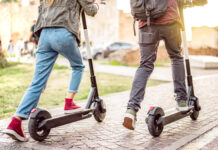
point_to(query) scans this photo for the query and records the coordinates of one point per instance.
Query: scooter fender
(156, 111)
(38, 112)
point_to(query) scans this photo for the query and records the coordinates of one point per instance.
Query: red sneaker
(70, 106)
(14, 130)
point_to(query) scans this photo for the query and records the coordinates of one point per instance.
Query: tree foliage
(4, 1)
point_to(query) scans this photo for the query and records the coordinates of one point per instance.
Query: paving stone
(139, 147)
(88, 134)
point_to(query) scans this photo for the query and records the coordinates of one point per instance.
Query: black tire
(35, 133)
(100, 111)
(99, 56)
(194, 115)
(154, 129)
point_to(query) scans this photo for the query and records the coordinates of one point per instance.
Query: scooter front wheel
(194, 115)
(100, 111)
(36, 133)
(154, 129)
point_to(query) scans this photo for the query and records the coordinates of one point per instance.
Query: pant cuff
(25, 117)
(136, 109)
(72, 91)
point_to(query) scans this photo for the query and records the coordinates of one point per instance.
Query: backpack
(147, 10)
(142, 9)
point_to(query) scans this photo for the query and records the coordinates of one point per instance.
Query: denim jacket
(64, 13)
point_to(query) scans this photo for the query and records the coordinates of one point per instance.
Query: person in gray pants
(166, 28)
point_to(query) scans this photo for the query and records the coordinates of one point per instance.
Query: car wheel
(99, 56)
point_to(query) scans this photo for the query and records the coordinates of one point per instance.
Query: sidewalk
(110, 134)
(159, 73)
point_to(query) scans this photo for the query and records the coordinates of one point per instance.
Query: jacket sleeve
(89, 6)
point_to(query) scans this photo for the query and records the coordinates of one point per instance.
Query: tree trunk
(3, 61)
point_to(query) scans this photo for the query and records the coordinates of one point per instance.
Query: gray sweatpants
(149, 38)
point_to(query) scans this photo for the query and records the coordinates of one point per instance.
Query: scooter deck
(173, 115)
(63, 119)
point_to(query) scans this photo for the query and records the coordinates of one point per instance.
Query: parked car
(115, 46)
(94, 51)
(101, 52)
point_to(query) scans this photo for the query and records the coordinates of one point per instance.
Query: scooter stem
(184, 37)
(186, 53)
(88, 48)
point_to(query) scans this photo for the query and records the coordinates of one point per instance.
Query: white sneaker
(182, 105)
(130, 119)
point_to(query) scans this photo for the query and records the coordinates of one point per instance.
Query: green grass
(15, 79)
(160, 63)
(57, 67)
(116, 63)
(60, 56)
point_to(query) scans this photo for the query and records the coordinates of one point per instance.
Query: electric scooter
(41, 121)
(157, 119)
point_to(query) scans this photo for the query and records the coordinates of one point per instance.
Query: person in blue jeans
(58, 29)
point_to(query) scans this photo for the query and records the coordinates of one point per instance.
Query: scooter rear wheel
(100, 111)
(154, 129)
(36, 133)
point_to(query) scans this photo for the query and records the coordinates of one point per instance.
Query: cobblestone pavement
(88, 134)
(208, 141)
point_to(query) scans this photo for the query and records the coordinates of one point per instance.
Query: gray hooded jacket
(64, 13)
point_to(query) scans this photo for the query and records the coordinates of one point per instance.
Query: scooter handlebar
(103, 2)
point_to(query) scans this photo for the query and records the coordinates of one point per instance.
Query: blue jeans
(53, 41)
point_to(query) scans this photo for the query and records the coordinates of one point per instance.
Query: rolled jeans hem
(136, 109)
(21, 115)
(72, 91)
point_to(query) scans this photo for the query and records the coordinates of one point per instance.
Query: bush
(3, 61)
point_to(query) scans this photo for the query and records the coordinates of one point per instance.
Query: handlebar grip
(103, 2)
